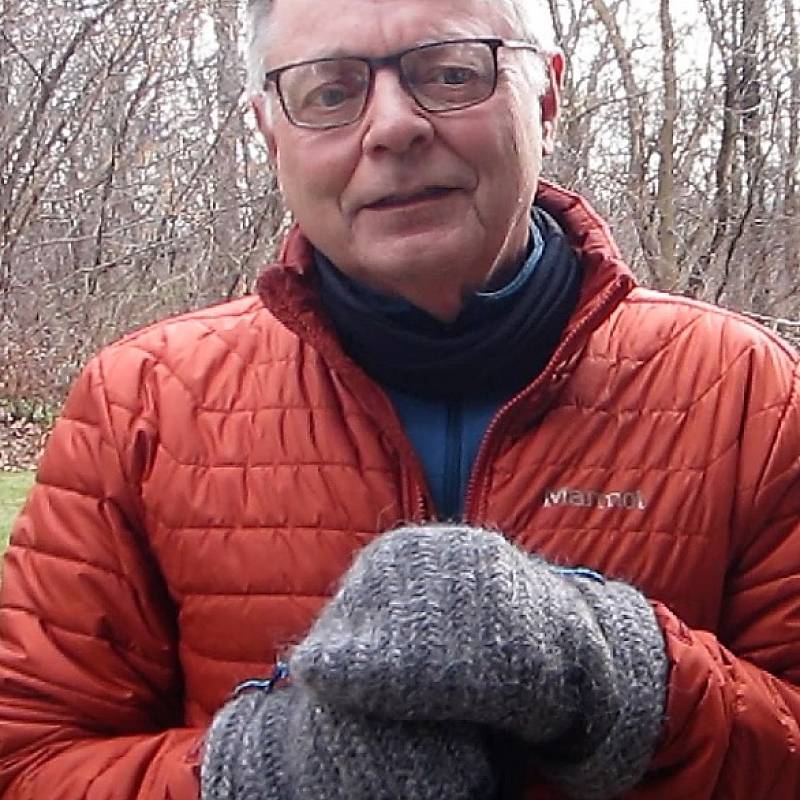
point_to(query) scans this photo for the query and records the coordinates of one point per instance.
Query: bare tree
(692, 149)
(132, 187)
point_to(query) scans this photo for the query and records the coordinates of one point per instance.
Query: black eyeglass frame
(394, 60)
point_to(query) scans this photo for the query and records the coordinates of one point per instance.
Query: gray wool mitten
(287, 746)
(453, 623)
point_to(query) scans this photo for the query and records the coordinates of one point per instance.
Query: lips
(409, 198)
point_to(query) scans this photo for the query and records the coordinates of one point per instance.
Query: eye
(446, 77)
(453, 76)
(329, 96)
(333, 94)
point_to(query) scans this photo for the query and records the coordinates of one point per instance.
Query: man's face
(422, 205)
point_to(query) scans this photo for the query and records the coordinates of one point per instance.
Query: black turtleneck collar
(499, 342)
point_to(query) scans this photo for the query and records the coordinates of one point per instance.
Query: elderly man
(520, 528)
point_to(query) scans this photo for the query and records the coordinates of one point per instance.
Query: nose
(395, 123)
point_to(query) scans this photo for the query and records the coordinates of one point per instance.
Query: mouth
(405, 200)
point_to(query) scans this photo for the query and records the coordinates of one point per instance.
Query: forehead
(301, 29)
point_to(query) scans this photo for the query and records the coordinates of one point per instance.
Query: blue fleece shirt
(446, 434)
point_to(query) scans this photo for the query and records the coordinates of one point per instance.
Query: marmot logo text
(582, 498)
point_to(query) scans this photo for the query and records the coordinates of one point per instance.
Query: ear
(551, 101)
(259, 103)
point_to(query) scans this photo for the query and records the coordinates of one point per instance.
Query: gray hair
(531, 18)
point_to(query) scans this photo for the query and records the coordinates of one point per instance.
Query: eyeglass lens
(441, 77)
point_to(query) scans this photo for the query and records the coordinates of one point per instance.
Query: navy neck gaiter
(499, 342)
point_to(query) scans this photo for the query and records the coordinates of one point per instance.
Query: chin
(423, 250)
(415, 264)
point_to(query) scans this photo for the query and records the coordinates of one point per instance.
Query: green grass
(13, 490)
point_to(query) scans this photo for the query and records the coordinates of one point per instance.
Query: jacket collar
(288, 288)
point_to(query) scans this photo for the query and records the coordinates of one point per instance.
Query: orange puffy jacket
(213, 475)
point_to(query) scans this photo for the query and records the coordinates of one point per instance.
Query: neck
(444, 299)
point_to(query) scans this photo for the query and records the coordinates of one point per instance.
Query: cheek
(312, 176)
(500, 151)
(524, 154)
(502, 159)
(522, 122)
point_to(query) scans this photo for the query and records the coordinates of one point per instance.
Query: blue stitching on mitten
(581, 572)
(266, 685)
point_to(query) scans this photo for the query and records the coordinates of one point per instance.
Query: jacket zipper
(421, 507)
(553, 368)
(415, 494)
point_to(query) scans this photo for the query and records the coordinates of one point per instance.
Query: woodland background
(133, 186)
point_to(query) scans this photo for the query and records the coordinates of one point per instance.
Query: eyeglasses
(441, 76)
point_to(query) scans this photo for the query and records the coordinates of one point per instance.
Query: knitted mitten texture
(452, 623)
(287, 746)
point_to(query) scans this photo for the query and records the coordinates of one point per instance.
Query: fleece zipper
(454, 481)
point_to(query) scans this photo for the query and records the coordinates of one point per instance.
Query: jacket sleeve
(733, 712)
(90, 683)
